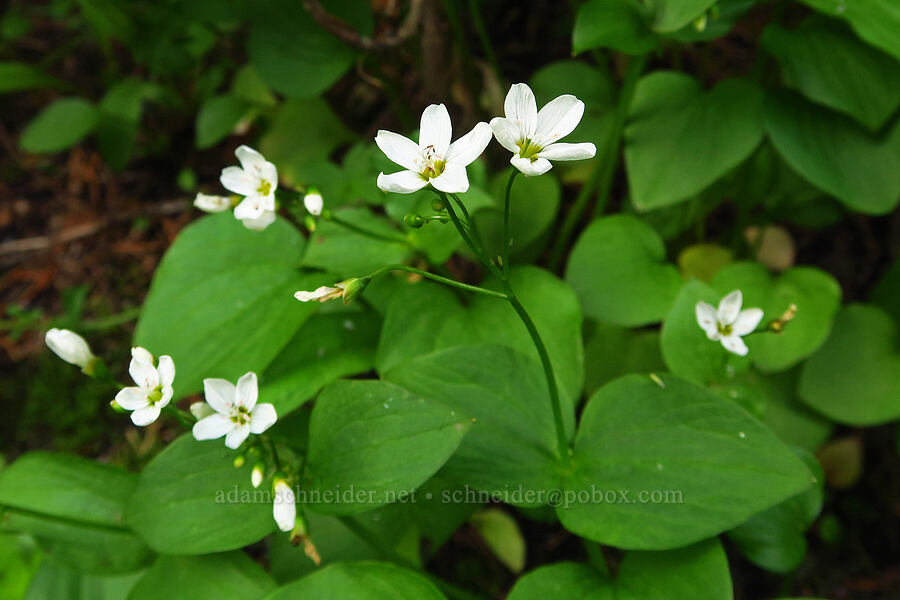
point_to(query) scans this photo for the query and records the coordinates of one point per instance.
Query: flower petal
(707, 318)
(144, 416)
(251, 207)
(269, 173)
(470, 146)
(734, 343)
(166, 370)
(212, 427)
(529, 167)
(321, 293)
(507, 133)
(132, 398)
(747, 321)
(235, 179)
(453, 180)
(249, 158)
(167, 393)
(284, 508)
(142, 354)
(563, 151)
(557, 119)
(236, 437)
(730, 307)
(398, 148)
(521, 108)
(404, 182)
(219, 394)
(143, 373)
(435, 129)
(260, 222)
(212, 204)
(247, 390)
(262, 417)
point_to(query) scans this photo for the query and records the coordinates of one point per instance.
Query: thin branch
(347, 34)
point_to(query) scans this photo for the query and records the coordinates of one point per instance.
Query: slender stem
(469, 222)
(439, 279)
(506, 240)
(468, 239)
(111, 321)
(398, 238)
(183, 417)
(604, 166)
(274, 452)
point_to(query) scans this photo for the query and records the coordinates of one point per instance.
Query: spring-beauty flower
(284, 507)
(434, 159)
(212, 204)
(237, 413)
(256, 179)
(154, 386)
(728, 323)
(70, 347)
(533, 137)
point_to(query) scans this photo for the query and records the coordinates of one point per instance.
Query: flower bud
(313, 201)
(71, 347)
(353, 288)
(239, 462)
(201, 410)
(284, 507)
(212, 204)
(115, 406)
(437, 204)
(256, 476)
(310, 223)
(413, 220)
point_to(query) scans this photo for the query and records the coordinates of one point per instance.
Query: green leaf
(674, 463)
(619, 271)
(833, 68)
(887, 291)
(361, 580)
(119, 120)
(510, 450)
(221, 302)
(502, 535)
(325, 348)
(699, 572)
(815, 293)
(611, 351)
(835, 154)
(54, 582)
(680, 139)
(876, 21)
(230, 575)
(672, 15)
(59, 126)
(17, 76)
(191, 499)
(216, 118)
(855, 377)
(378, 439)
(618, 24)
(293, 54)
(703, 261)
(249, 87)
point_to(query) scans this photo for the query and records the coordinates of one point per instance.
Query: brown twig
(347, 34)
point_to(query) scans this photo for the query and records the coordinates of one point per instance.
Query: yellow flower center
(433, 164)
(528, 149)
(241, 417)
(724, 329)
(155, 396)
(264, 189)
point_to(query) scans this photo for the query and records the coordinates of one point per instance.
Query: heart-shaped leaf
(618, 24)
(680, 139)
(876, 21)
(361, 580)
(232, 575)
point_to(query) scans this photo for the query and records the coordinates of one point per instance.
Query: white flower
(434, 159)
(313, 202)
(212, 204)
(533, 136)
(70, 347)
(284, 508)
(256, 179)
(153, 390)
(728, 323)
(322, 294)
(237, 413)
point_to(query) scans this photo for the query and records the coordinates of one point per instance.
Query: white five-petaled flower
(284, 508)
(70, 347)
(256, 179)
(154, 386)
(434, 159)
(533, 137)
(322, 294)
(237, 414)
(728, 323)
(212, 204)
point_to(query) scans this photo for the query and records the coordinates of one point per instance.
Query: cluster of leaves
(690, 441)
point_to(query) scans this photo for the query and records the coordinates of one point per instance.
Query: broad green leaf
(221, 302)
(619, 271)
(855, 377)
(54, 582)
(230, 575)
(699, 572)
(59, 126)
(673, 463)
(293, 54)
(833, 68)
(378, 439)
(618, 24)
(815, 293)
(718, 22)
(774, 539)
(191, 499)
(119, 119)
(249, 87)
(672, 15)
(326, 347)
(703, 261)
(361, 580)
(876, 21)
(216, 118)
(680, 139)
(19, 560)
(685, 348)
(502, 535)
(17, 76)
(835, 154)
(510, 450)
(611, 351)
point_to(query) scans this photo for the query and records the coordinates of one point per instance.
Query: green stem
(604, 166)
(183, 417)
(439, 279)
(126, 316)
(506, 240)
(398, 238)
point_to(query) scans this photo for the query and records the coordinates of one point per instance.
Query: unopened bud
(239, 461)
(310, 223)
(353, 288)
(700, 23)
(201, 410)
(313, 201)
(116, 407)
(437, 204)
(256, 476)
(71, 347)
(413, 220)
(779, 324)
